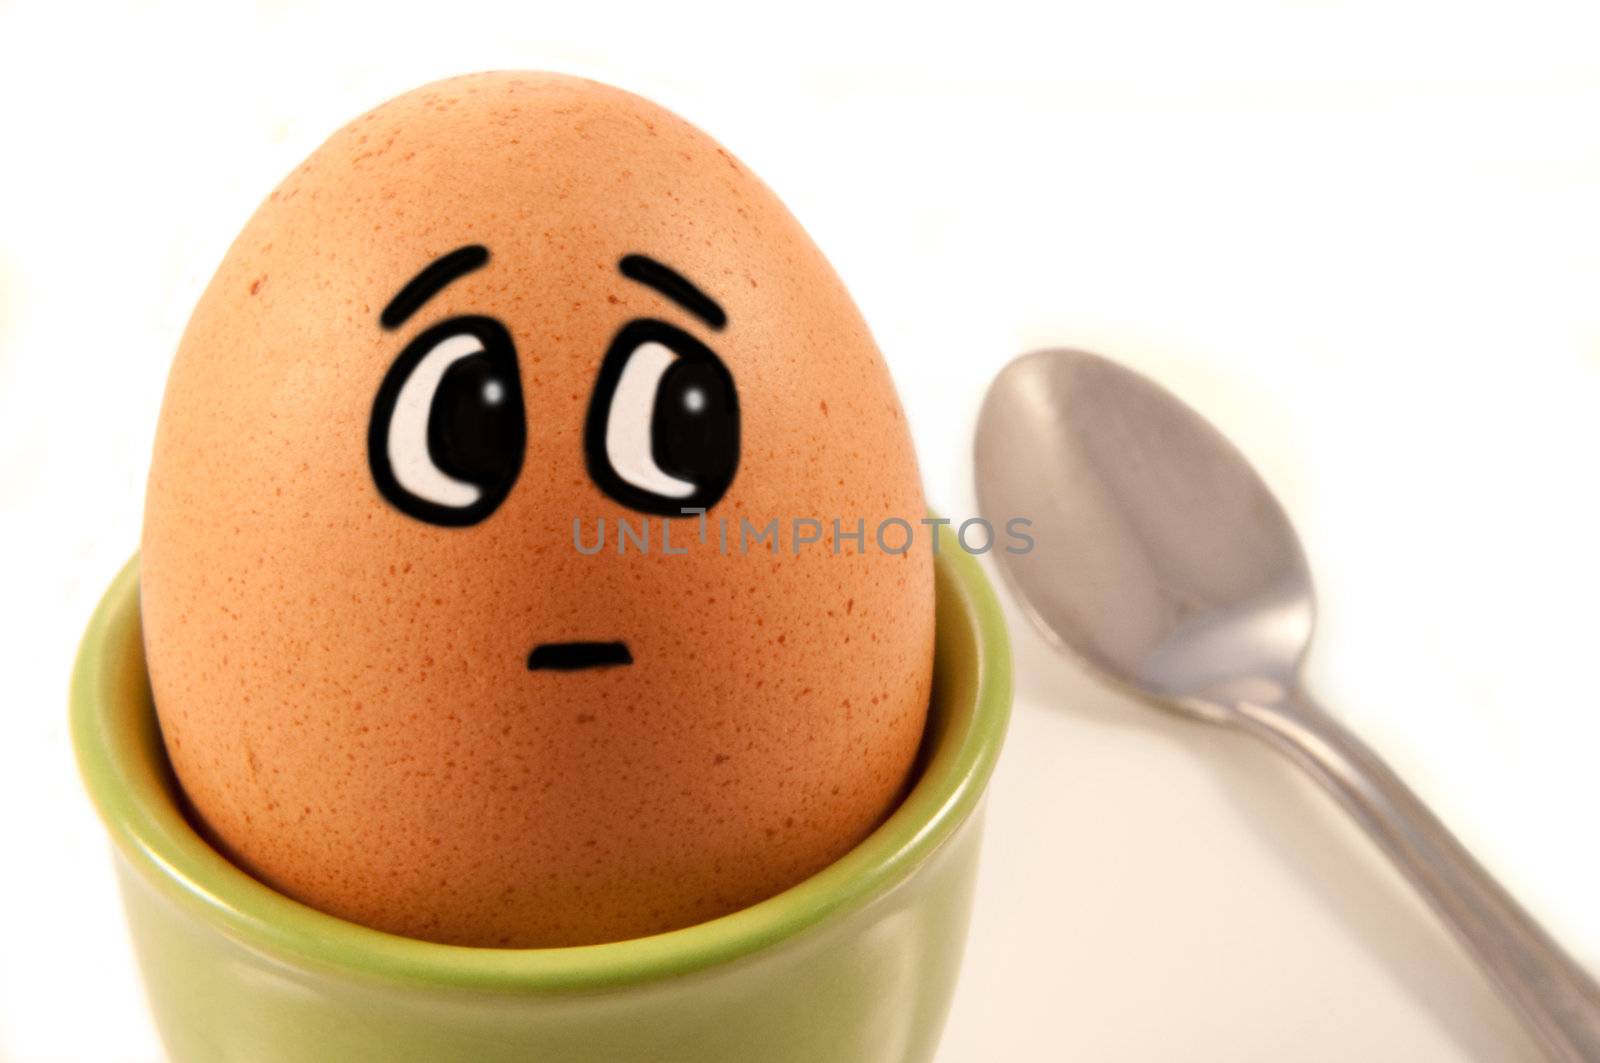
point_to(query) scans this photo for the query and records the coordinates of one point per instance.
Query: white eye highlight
(407, 441)
(628, 427)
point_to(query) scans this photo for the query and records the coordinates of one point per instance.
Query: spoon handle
(1555, 997)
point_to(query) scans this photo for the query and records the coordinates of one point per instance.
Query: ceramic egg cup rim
(131, 792)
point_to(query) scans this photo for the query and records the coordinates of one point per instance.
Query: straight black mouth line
(571, 656)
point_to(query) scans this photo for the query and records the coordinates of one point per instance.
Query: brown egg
(391, 682)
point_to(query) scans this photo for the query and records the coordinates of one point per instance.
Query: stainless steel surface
(1164, 561)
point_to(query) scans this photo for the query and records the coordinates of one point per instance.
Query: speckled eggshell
(344, 688)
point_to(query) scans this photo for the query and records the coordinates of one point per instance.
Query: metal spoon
(1163, 560)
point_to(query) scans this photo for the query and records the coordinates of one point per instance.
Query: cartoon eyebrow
(434, 276)
(675, 286)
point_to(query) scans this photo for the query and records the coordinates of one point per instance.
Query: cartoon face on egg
(449, 427)
(486, 327)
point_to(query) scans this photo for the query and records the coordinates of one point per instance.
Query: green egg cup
(856, 964)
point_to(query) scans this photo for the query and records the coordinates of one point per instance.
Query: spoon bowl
(1162, 558)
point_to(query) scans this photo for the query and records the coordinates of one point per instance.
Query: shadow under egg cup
(856, 964)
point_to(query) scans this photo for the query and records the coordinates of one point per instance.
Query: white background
(1365, 239)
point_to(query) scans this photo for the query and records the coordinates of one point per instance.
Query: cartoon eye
(448, 427)
(663, 427)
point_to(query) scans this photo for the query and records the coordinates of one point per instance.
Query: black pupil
(475, 425)
(694, 429)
